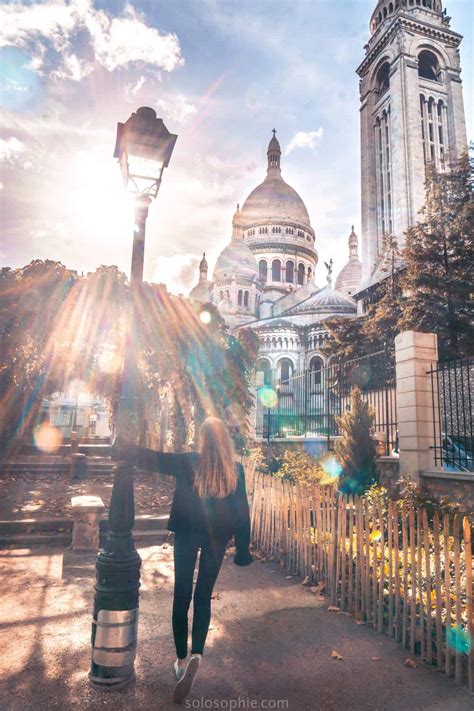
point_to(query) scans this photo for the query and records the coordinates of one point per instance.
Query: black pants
(186, 547)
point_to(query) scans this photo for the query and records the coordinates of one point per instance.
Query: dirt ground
(46, 495)
(270, 645)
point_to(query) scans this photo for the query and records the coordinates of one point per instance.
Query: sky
(222, 74)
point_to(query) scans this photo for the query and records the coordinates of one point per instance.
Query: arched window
(264, 366)
(310, 273)
(315, 368)
(382, 79)
(285, 367)
(300, 274)
(227, 294)
(290, 272)
(221, 295)
(246, 299)
(239, 297)
(262, 271)
(276, 270)
(428, 67)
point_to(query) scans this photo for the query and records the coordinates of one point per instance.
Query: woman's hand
(123, 450)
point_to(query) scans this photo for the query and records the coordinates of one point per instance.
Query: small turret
(237, 224)
(274, 153)
(203, 268)
(353, 245)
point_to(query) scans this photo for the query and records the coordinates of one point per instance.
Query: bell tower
(411, 113)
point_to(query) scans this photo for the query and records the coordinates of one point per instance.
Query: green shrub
(356, 449)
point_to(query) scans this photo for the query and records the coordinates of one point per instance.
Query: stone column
(415, 354)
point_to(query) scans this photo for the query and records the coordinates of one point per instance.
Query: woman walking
(209, 507)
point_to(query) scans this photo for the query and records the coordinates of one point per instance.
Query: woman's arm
(170, 463)
(242, 528)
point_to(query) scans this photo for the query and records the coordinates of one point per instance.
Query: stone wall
(455, 487)
(388, 469)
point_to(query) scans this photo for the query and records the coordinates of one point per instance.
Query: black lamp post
(143, 148)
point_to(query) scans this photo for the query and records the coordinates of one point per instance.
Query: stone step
(63, 539)
(26, 526)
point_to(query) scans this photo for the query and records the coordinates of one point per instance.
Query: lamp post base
(115, 621)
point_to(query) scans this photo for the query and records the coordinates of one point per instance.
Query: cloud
(10, 149)
(69, 40)
(178, 109)
(179, 272)
(133, 88)
(304, 139)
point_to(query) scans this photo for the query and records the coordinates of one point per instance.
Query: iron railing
(452, 399)
(308, 404)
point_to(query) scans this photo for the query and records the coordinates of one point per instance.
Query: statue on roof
(329, 267)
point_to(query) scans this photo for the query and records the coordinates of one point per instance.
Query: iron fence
(452, 398)
(308, 404)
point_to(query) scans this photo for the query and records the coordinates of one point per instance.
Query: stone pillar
(87, 512)
(415, 353)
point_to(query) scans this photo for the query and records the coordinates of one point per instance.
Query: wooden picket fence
(385, 563)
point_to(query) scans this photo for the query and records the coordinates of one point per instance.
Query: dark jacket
(209, 517)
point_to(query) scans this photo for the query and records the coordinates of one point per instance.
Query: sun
(101, 205)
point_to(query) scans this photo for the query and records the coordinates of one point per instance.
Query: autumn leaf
(410, 663)
(375, 536)
(336, 655)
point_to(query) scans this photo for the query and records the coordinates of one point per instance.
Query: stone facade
(412, 112)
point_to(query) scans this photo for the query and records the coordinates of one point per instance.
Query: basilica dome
(327, 301)
(274, 199)
(236, 259)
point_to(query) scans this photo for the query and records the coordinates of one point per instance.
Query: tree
(356, 449)
(347, 339)
(428, 286)
(57, 327)
(383, 318)
(439, 258)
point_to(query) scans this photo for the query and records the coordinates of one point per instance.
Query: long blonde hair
(216, 475)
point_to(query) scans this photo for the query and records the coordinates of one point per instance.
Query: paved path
(271, 640)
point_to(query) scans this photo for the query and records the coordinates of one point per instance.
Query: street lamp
(143, 148)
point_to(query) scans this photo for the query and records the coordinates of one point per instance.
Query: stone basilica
(411, 113)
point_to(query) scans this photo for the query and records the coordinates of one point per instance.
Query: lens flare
(360, 375)
(110, 362)
(458, 639)
(48, 438)
(205, 317)
(268, 397)
(332, 469)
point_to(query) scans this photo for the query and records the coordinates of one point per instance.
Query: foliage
(293, 465)
(356, 449)
(414, 495)
(299, 466)
(439, 259)
(347, 339)
(57, 327)
(432, 292)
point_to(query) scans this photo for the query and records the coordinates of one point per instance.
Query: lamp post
(143, 149)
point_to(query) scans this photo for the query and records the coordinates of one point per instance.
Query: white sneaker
(179, 671)
(184, 685)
